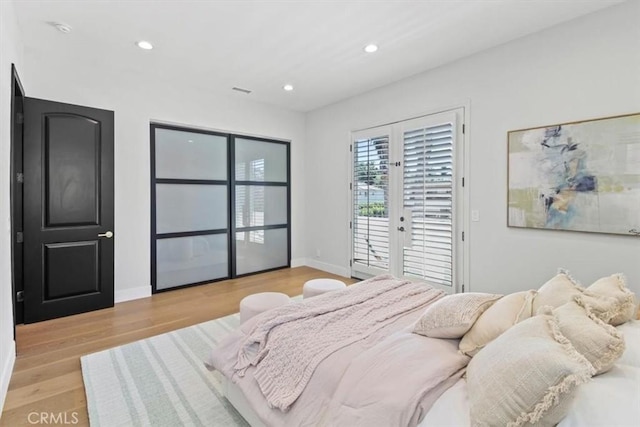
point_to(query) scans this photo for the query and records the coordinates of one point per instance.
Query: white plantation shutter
(370, 191)
(407, 200)
(428, 186)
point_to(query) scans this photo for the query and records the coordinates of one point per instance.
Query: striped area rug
(160, 381)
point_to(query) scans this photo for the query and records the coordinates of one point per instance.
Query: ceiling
(260, 45)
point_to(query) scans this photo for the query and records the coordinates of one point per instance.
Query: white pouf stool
(316, 287)
(259, 303)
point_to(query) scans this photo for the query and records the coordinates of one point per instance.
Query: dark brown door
(68, 209)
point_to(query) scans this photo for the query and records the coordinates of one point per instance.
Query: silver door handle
(108, 234)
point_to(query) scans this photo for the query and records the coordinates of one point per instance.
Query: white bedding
(608, 400)
(350, 385)
(355, 399)
(357, 383)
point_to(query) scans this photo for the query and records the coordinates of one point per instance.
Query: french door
(407, 188)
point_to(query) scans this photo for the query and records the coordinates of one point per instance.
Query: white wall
(137, 100)
(583, 69)
(10, 52)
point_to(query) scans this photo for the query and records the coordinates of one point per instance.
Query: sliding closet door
(220, 206)
(190, 207)
(261, 204)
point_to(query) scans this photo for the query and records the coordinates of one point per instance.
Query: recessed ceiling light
(370, 48)
(288, 88)
(143, 44)
(63, 28)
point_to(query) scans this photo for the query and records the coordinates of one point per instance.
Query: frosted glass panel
(190, 207)
(260, 161)
(186, 260)
(261, 250)
(260, 205)
(190, 155)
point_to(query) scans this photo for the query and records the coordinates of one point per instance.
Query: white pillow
(558, 290)
(599, 342)
(613, 288)
(503, 314)
(452, 316)
(529, 374)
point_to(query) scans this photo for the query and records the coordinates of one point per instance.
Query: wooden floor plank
(47, 378)
(42, 390)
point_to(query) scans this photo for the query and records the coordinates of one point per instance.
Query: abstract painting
(580, 176)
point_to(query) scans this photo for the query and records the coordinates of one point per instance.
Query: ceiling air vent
(239, 89)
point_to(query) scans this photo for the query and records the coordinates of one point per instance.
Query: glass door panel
(261, 204)
(370, 190)
(195, 259)
(190, 155)
(428, 187)
(260, 250)
(190, 207)
(260, 160)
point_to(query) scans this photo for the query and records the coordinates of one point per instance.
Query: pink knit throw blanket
(289, 342)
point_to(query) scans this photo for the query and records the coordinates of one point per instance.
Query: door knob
(400, 228)
(108, 234)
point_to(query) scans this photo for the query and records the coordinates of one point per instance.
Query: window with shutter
(370, 223)
(428, 196)
(407, 200)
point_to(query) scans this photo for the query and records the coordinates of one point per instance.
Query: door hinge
(20, 118)
(463, 181)
(20, 177)
(463, 128)
(463, 288)
(20, 296)
(350, 263)
(463, 236)
(351, 186)
(350, 148)
(350, 225)
(19, 237)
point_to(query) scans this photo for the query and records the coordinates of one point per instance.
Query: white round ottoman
(316, 287)
(259, 303)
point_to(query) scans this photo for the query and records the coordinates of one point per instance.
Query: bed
(380, 372)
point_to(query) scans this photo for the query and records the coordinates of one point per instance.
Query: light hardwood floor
(47, 377)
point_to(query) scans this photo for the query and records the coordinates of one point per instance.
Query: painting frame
(576, 176)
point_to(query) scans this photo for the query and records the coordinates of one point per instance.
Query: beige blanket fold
(287, 344)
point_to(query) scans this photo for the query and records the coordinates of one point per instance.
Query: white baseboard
(7, 370)
(131, 294)
(329, 268)
(145, 291)
(298, 262)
